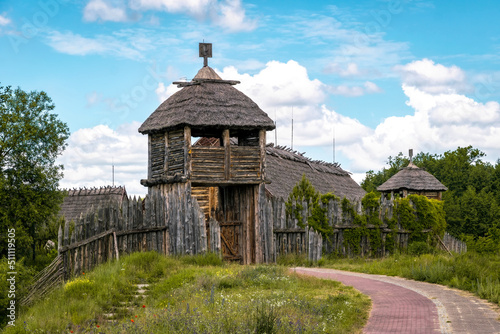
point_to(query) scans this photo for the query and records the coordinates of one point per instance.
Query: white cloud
(442, 120)
(227, 14)
(352, 91)
(433, 78)
(4, 20)
(130, 44)
(101, 10)
(278, 84)
(91, 152)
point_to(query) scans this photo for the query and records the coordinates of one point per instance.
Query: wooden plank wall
(157, 155)
(175, 152)
(245, 163)
(453, 244)
(172, 224)
(207, 163)
(288, 237)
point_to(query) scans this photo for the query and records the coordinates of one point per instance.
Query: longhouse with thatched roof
(285, 168)
(413, 180)
(78, 201)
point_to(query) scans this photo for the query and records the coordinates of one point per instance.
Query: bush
(419, 248)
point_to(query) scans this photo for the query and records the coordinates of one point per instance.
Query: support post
(227, 153)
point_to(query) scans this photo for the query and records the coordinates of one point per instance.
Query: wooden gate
(230, 234)
(231, 223)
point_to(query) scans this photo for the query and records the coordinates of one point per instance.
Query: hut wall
(156, 156)
(175, 159)
(207, 164)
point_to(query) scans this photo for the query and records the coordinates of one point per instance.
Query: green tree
(31, 138)
(304, 191)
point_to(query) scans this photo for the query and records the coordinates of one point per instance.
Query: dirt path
(405, 306)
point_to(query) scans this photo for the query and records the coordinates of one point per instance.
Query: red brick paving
(394, 309)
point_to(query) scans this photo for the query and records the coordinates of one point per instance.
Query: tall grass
(197, 294)
(477, 273)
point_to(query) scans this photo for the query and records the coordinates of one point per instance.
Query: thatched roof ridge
(207, 101)
(412, 178)
(78, 201)
(285, 167)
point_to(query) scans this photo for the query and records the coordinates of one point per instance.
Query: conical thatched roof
(412, 178)
(207, 101)
(78, 201)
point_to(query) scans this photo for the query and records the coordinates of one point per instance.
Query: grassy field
(195, 295)
(477, 273)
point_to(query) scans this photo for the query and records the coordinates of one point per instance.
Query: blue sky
(380, 76)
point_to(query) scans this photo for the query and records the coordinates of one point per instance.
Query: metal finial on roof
(205, 52)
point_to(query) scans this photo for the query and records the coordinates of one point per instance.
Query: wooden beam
(227, 151)
(150, 167)
(262, 146)
(187, 151)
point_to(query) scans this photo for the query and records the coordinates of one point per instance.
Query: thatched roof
(284, 168)
(78, 201)
(412, 178)
(207, 102)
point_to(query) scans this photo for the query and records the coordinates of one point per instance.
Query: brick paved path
(405, 306)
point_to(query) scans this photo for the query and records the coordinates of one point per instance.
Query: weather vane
(205, 52)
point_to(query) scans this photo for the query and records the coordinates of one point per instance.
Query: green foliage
(23, 277)
(472, 201)
(31, 138)
(304, 192)
(419, 248)
(188, 298)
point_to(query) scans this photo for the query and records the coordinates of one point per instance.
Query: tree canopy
(31, 138)
(472, 202)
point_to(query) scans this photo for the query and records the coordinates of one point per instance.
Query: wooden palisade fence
(176, 225)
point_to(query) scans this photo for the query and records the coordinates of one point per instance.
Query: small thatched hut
(413, 180)
(78, 201)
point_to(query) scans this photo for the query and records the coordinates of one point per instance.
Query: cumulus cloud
(227, 14)
(433, 78)
(442, 120)
(91, 152)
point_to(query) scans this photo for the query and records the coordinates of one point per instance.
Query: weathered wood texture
(185, 220)
(176, 160)
(157, 156)
(220, 164)
(172, 224)
(452, 244)
(45, 281)
(282, 234)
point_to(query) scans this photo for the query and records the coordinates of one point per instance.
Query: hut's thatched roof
(207, 102)
(284, 168)
(412, 178)
(78, 201)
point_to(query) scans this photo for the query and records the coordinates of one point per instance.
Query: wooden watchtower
(226, 178)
